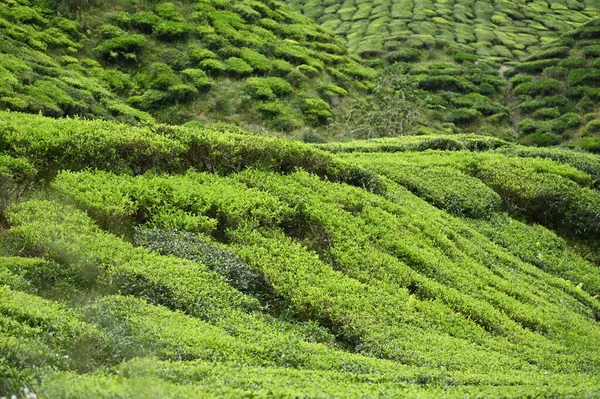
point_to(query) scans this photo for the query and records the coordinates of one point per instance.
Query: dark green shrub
(182, 92)
(170, 30)
(267, 88)
(271, 109)
(534, 66)
(557, 52)
(121, 46)
(315, 111)
(198, 54)
(359, 72)
(593, 127)
(530, 106)
(591, 51)
(27, 15)
(14, 103)
(479, 102)
(176, 59)
(591, 144)
(572, 120)
(256, 60)
(464, 57)
(445, 83)
(109, 31)
(403, 55)
(313, 137)
(121, 19)
(585, 77)
(149, 99)
(587, 32)
(518, 79)
(329, 91)
(308, 71)
(15, 176)
(194, 247)
(229, 51)
(527, 126)
(168, 11)
(556, 72)
(213, 66)
(145, 22)
(292, 52)
(287, 122)
(560, 101)
(281, 67)
(249, 13)
(592, 92)
(546, 113)
(572, 63)
(463, 116)
(544, 87)
(296, 78)
(541, 139)
(162, 76)
(499, 118)
(238, 66)
(199, 78)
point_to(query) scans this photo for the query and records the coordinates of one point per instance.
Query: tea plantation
(189, 209)
(253, 63)
(173, 262)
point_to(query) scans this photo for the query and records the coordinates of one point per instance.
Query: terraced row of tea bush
(42, 68)
(245, 62)
(463, 95)
(497, 30)
(169, 262)
(557, 90)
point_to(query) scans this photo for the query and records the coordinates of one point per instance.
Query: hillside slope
(170, 262)
(254, 63)
(495, 30)
(556, 90)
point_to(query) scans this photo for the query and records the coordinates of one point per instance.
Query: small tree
(393, 108)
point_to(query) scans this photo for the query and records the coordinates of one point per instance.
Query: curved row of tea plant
(268, 64)
(557, 91)
(502, 30)
(157, 260)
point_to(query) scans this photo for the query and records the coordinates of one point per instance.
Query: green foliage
(593, 127)
(259, 269)
(121, 46)
(238, 67)
(478, 102)
(81, 144)
(315, 110)
(404, 55)
(581, 76)
(168, 11)
(419, 143)
(465, 115)
(199, 78)
(15, 176)
(213, 66)
(591, 144)
(540, 139)
(196, 248)
(171, 31)
(330, 91)
(145, 22)
(230, 42)
(394, 107)
(545, 86)
(256, 60)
